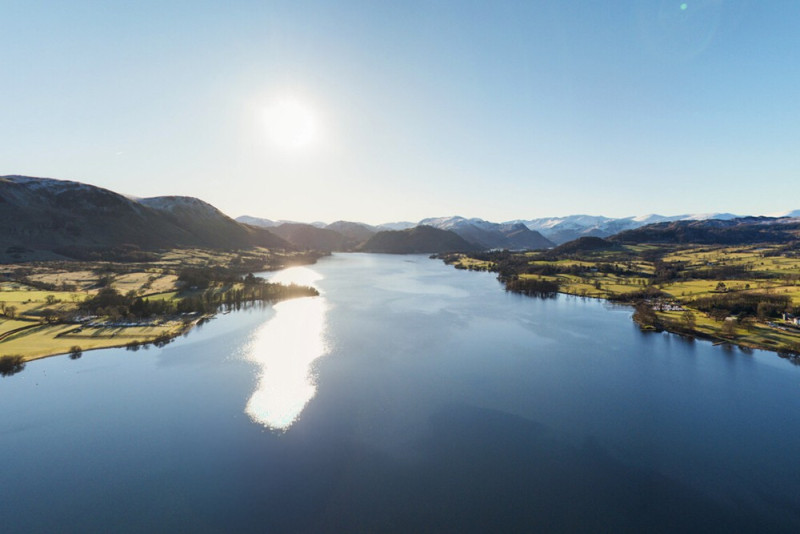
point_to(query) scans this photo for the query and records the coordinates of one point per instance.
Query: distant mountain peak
(397, 225)
(789, 213)
(489, 235)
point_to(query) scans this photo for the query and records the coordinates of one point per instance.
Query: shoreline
(38, 307)
(668, 326)
(139, 343)
(133, 345)
(767, 337)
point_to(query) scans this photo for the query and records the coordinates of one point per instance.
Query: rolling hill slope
(43, 214)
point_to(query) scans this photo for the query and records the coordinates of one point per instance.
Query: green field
(36, 298)
(693, 274)
(48, 340)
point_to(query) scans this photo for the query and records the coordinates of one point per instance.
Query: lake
(407, 397)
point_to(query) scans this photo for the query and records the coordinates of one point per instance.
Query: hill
(43, 215)
(418, 240)
(583, 245)
(739, 231)
(308, 237)
(355, 232)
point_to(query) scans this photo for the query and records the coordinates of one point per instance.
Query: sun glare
(290, 124)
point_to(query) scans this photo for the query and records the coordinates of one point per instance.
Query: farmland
(50, 308)
(743, 295)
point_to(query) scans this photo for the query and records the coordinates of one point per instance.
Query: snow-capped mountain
(563, 229)
(534, 233)
(257, 221)
(491, 235)
(399, 225)
(790, 213)
(269, 223)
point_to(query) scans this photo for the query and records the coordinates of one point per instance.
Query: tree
(689, 319)
(729, 328)
(11, 311)
(75, 353)
(50, 300)
(762, 311)
(10, 365)
(644, 315)
(50, 315)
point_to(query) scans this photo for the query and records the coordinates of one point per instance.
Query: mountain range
(489, 235)
(738, 231)
(477, 232)
(543, 232)
(43, 218)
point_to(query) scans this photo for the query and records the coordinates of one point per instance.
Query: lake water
(408, 397)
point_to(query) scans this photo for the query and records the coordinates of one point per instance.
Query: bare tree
(689, 319)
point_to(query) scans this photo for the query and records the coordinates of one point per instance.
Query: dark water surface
(409, 397)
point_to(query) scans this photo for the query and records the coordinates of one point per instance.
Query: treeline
(670, 271)
(761, 305)
(108, 302)
(126, 253)
(533, 287)
(550, 269)
(201, 277)
(648, 293)
(213, 300)
(508, 264)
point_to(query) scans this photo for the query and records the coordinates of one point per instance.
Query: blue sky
(499, 110)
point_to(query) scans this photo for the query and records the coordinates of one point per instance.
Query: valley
(83, 267)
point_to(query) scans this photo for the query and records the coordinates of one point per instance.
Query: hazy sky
(380, 111)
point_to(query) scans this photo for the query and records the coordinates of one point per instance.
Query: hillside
(42, 215)
(417, 240)
(745, 230)
(206, 224)
(582, 245)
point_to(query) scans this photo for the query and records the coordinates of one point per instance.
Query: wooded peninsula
(67, 307)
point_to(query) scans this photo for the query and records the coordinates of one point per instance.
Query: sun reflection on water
(285, 348)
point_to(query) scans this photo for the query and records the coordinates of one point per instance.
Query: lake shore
(662, 309)
(56, 308)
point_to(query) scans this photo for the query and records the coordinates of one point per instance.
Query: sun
(290, 124)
